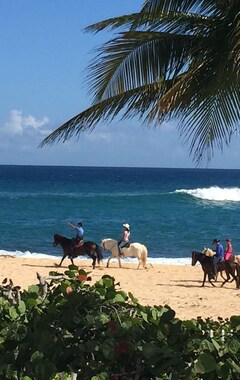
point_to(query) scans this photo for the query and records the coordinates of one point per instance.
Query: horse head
(108, 244)
(55, 240)
(103, 244)
(194, 258)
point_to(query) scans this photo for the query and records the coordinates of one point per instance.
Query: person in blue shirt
(79, 232)
(219, 254)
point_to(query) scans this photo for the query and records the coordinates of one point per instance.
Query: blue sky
(44, 56)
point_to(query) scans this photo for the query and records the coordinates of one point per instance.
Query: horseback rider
(219, 255)
(125, 239)
(228, 253)
(78, 240)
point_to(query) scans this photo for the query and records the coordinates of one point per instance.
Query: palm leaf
(175, 59)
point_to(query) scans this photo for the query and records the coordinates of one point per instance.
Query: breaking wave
(214, 193)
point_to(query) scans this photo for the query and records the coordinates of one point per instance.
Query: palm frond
(129, 104)
(112, 23)
(174, 59)
(235, 44)
(211, 123)
(136, 59)
(153, 8)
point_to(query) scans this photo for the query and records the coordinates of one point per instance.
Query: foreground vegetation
(64, 325)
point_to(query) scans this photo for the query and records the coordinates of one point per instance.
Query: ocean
(171, 211)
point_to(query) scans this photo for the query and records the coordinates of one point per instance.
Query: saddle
(76, 243)
(126, 245)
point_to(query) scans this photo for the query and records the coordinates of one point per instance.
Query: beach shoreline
(178, 286)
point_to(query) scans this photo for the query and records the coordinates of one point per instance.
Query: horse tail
(144, 256)
(99, 254)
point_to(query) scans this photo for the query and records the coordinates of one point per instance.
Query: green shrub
(102, 333)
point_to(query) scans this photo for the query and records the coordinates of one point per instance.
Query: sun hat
(126, 226)
(215, 241)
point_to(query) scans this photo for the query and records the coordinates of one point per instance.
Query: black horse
(231, 268)
(86, 248)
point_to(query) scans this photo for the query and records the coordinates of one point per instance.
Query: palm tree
(174, 59)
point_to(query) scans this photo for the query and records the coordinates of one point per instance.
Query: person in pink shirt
(125, 238)
(228, 253)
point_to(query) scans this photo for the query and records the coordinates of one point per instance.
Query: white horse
(208, 252)
(136, 249)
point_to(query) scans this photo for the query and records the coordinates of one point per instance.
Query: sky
(44, 57)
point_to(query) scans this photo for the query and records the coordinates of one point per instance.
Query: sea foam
(151, 260)
(214, 193)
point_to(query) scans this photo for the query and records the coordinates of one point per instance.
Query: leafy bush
(102, 333)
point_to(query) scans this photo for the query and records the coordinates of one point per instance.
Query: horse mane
(61, 237)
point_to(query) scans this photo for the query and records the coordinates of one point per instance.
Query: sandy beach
(175, 285)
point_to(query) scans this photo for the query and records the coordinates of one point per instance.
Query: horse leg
(108, 262)
(204, 279)
(119, 262)
(234, 277)
(141, 262)
(111, 257)
(226, 280)
(64, 256)
(230, 272)
(238, 275)
(93, 257)
(209, 278)
(221, 274)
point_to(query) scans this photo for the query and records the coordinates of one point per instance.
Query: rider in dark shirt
(219, 254)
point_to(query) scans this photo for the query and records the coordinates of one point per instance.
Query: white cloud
(17, 123)
(103, 135)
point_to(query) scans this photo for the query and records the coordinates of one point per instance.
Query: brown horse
(88, 248)
(230, 268)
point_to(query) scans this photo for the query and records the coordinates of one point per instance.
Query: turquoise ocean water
(171, 211)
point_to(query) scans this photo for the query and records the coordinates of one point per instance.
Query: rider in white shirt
(125, 238)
